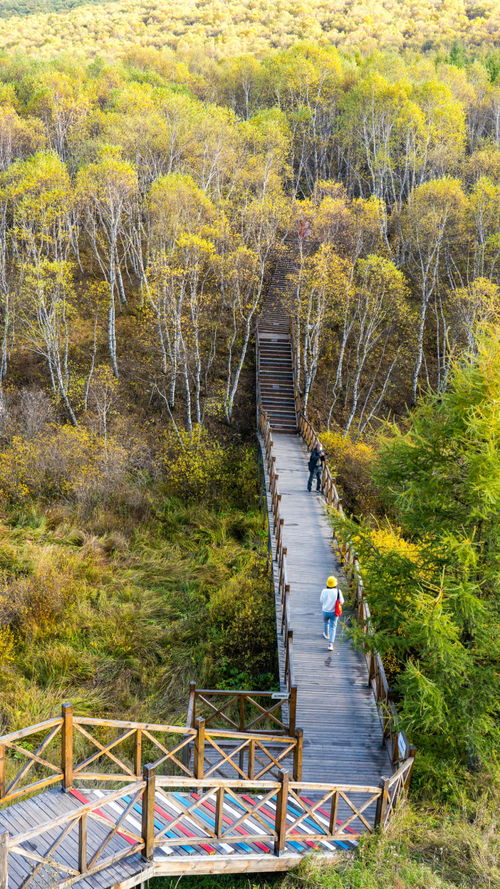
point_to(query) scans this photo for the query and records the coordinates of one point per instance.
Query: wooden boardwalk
(336, 707)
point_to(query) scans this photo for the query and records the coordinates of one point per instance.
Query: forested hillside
(145, 200)
(143, 206)
(213, 28)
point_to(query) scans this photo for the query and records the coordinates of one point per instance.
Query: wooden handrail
(242, 710)
(132, 738)
(83, 817)
(280, 548)
(396, 740)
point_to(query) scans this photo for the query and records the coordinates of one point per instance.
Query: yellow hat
(332, 581)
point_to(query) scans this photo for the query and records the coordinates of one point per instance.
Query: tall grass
(118, 616)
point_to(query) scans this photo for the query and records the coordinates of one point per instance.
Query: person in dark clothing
(315, 466)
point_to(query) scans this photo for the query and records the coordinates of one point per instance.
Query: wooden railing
(206, 811)
(399, 747)
(284, 811)
(73, 748)
(279, 551)
(265, 712)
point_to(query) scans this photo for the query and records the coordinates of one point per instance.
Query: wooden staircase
(274, 353)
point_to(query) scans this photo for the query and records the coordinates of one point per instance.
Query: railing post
(251, 760)
(411, 755)
(148, 812)
(2, 770)
(241, 717)
(281, 810)
(285, 594)
(278, 539)
(298, 754)
(288, 657)
(395, 748)
(371, 668)
(67, 745)
(4, 860)
(333, 812)
(219, 811)
(138, 753)
(292, 711)
(271, 472)
(82, 843)
(382, 804)
(192, 703)
(199, 748)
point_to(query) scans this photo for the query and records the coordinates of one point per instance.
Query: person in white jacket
(331, 599)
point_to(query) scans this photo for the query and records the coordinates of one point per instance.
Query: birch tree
(106, 193)
(324, 283)
(176, 209)
(47, 309)
(432, 225)
(380, 333)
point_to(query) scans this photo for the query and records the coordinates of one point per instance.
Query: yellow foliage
(342, 447)
(350, 462)
(196, 463)
(223, 29)
(389, 541)
(6, 646)
(67, 461)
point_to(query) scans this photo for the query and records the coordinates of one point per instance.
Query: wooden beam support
(138, 753)
(199, 748)
(67, 745)
(281, 810)
(298, 755)
(333, 812)
(148, 813)
(82, 843)
(382, 804)
(219, 811)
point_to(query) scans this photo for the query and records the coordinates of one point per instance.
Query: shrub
(36, 602)
(200, 467)
(6, 645)
(351, 462)
(63, 462)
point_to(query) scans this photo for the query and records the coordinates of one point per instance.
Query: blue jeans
(330, 622)
(315, 473)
